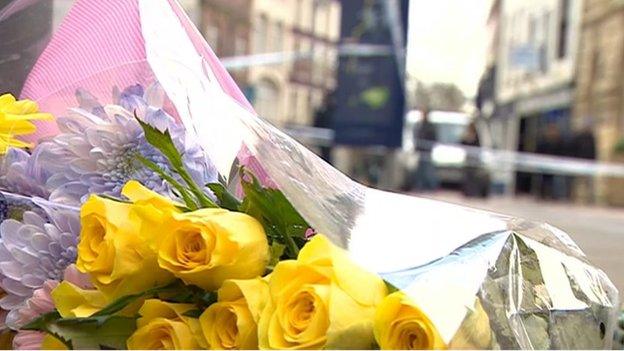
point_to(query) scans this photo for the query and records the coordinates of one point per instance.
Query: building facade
(289, 92)
(288, 89)
(316, 34)
(226, 25)
(599, 101)
(535, 76)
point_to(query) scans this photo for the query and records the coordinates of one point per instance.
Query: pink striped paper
(100, 45)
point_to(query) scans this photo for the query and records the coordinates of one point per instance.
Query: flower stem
(203, 199)
(291, 245)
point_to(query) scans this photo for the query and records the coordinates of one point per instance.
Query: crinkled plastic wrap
(485, 280)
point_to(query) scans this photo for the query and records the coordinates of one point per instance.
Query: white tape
(490, 158)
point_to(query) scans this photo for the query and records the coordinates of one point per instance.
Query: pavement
(598, 231)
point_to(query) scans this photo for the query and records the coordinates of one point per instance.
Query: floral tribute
(136, 242)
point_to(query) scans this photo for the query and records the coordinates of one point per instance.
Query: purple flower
(39, 303)
(309, 233)
(35, 250)
(96, 152)
(21, 173)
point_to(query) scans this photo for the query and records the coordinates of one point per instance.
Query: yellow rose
(72, 301)
(321, 300)
(208, 246)
(401, 325)
(231, 323)
(163, 326)
(118, 241)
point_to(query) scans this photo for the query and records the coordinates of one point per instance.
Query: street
(598, 231)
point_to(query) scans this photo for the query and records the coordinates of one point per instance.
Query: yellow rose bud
(231, 323)
(74, 302)
(118, 241)
(50, 342)
(163, 326)
(321, 300)
(401, 325)
(208, 246)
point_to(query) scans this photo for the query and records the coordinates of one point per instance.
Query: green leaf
(40, 322)
(209, 298)
(89, 335)
(226, 199)
(193, 313)
(391, 288)
(124, 301)
(191, 294)
(184, 192)
(112, 198)
(86, 333)
(277, 250)
(280, 219)
(162, 142)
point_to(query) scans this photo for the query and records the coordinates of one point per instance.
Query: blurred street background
(515, 106)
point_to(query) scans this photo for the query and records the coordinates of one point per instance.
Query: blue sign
(370, 97)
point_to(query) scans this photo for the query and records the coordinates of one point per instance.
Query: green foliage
(391, 288)
(226, 199)
(277, 251)
(162, 142)
(104, 329)
(87, 333)
(280, 219)
(183, 191)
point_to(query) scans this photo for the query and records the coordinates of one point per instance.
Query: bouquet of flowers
(148, 207)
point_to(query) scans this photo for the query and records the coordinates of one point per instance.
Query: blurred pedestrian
(425, 136)
(475, 180)
(323, 119)
(584, 146)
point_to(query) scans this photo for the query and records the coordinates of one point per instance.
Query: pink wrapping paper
(71, 61)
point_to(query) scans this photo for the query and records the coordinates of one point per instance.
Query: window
(302, 112)
(262, 34)
(240, 46)
(544, 49)
(278, 38)
(315, 16)
(596, 65)
(562, 39)
(266, 102)
(299, 12)
(533, 30)
(211, 32)
(293, 105)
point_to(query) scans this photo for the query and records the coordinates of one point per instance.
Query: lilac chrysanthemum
(97, 148)
(21, 173)
(41, 302)
(34, 250)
